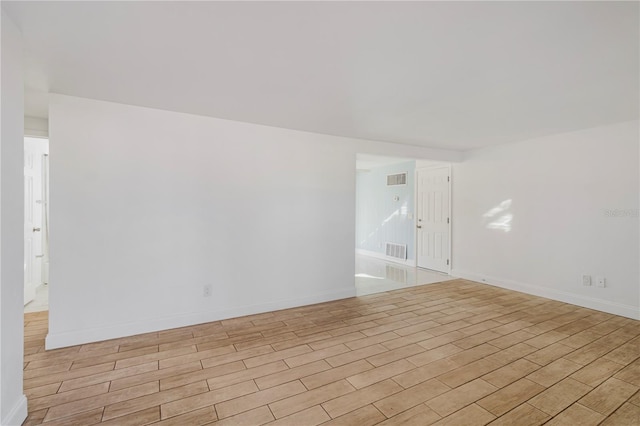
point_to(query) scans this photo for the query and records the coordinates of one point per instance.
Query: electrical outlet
(206, 290)
(586, 280)
(601, 282)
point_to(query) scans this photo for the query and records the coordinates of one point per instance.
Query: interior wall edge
(17, 414)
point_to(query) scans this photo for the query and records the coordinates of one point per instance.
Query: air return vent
(399, 251)
(397, 179)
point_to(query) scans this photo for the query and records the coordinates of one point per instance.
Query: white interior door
(433, 218)
(29, 254)
(35, 184)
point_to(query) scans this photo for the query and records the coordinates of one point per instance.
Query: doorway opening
(391, 214)
(36, 224)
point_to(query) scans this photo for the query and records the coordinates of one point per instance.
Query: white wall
(562, 189)
(385, 213)
(13, 404)
(149, 206)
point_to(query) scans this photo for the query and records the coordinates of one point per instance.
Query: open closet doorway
(36, 224)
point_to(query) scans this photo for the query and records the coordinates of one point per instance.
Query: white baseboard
(407, 262)
(61, 340)
(17, 415)
(624, 310)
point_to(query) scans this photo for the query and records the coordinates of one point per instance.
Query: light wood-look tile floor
(453, 353)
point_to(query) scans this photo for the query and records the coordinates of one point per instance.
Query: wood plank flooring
(452, 353)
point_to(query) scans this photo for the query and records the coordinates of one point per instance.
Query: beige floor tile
(246, 374)
(630, 374)
(293, 404)
(434, 342)
(41, 391)
(512, 339)
(292, 374)
(65, 397)
(138, 418)
(468, 373)
(420, 415)
(236, 356)
(510, 372)
(576, 414)
(107, 376)
(276, 356)
(477, 339)
(558, 397)
(179, 406)
(626, 353)
(338, 340)
(627, 415)
(321, 354)
(434, 354)
(192, 418)
(466, 349)
(155, 356)
(512, 353)
(469, 355)
(310, 417)
(522, 415)
(455, 399)
(368, 341)
(378, 374)
(471, 415)
(546, 339)
(395, 354)
(335, 374)
(257, 416)
(257, 399)
(608, 396)
(549, 353)
(79, 406)
(67, 375)
(172, 380)
(356, 355)
(426, 372)
(354, 400)
(412, 397)
(510, 396)
(554, 372)
(155, 399)
(365, 416)
(85, 418)
(88, 360)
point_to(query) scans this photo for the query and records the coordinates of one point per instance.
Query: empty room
(304, 213)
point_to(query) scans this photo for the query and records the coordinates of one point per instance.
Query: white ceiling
(455, 75)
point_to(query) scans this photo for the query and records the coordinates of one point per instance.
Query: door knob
(36, 229)
(419, 227)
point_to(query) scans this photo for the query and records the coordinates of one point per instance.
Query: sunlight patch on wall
(499, 217)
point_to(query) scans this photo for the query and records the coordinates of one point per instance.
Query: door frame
(415, 212)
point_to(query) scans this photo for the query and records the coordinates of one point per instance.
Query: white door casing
(433, 218)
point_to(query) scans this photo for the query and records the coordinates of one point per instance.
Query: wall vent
(397, 179)
(399, 251)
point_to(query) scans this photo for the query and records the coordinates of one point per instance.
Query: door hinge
(448, 178)
(447, 261)
(447, 220)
